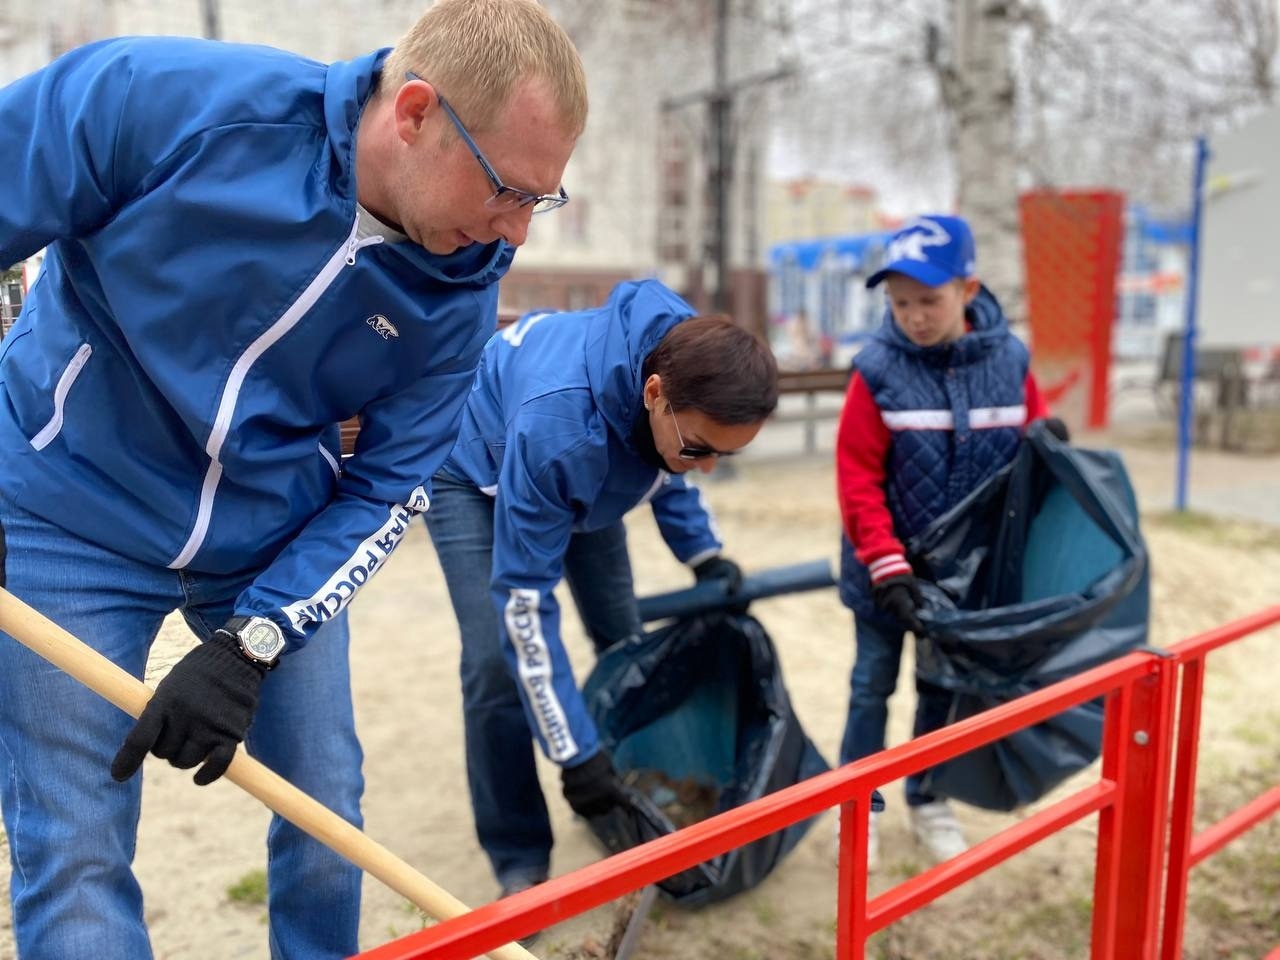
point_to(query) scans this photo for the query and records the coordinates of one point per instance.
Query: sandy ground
(196, 844)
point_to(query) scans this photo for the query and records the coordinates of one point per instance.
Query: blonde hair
(474, 52)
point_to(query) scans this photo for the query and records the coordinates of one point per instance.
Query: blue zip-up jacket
(956, 414)
(208, 313)
(547, 432)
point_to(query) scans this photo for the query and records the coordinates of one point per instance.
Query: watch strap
(235, 624)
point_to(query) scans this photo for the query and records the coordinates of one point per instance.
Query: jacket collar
(987, 326)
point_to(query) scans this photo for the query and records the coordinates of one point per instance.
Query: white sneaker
(935, 826)
(873, 842)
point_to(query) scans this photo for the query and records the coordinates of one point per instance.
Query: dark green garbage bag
(1038, 575)
(700, 703)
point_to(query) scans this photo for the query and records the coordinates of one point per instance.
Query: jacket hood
(635, 318)
(349, 85)
(987, 325)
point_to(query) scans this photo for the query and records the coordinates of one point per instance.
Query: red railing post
(1106, 886)
(851, 905)
(1137, 747)
(1181, 826)
(1144, 803)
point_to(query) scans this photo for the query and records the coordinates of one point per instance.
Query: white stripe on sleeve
(524, 630)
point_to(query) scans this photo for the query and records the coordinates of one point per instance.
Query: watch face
(262, 639)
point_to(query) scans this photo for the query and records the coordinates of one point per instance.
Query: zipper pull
(355, 243)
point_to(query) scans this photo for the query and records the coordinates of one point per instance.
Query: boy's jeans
(72, 829)
(875, 675)
(510, 811)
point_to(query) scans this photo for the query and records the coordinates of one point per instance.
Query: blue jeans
(510, 811)
(875, 675)
(72, 829)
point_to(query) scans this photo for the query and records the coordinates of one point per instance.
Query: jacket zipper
(345, 256)
(54, 426)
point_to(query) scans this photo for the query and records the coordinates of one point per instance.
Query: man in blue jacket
(244, 249)
(574, 419)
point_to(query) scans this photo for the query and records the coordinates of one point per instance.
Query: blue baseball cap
(930, 249)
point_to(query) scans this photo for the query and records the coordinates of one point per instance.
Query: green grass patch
(1066, 922)
(1254, 736)
(1234, 896)
(765, 913)
(250, 890)
(1217, 530)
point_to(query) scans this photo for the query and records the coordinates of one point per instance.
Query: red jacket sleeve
(862, 446)
(1037, 409)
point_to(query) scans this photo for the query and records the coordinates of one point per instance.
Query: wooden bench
(810, 383)
(1223, 367)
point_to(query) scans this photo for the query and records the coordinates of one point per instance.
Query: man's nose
(513, 225)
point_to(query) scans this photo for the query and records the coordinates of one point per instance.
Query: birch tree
(976, 86)
(965, 103)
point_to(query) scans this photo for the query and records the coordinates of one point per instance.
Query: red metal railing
(1185, 848)
(1131, 798)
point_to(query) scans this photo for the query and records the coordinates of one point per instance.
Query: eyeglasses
(504, 197)
(695, 453)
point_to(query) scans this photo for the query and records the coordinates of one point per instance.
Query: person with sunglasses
(573, 420)
(244, 248)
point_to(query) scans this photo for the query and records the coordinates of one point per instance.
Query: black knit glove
(593, 788)
(900, 597)
(720, 568)
(199, 712)
(1058, 429)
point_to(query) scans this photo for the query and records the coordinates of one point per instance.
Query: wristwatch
(261, 641)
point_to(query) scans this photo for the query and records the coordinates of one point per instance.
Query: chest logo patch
(383, 327)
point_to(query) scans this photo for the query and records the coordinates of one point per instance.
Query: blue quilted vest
(956, 413)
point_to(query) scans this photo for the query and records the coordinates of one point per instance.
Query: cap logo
(909, 244)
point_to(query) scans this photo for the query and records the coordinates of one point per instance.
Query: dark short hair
(712, 365)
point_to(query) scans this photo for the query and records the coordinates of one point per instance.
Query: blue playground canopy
(808, 255)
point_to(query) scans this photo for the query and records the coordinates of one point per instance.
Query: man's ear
(971, 287)
(414, 103)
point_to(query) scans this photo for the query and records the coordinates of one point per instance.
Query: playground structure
(1145, 799)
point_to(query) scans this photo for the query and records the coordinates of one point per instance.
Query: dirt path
(197, 844)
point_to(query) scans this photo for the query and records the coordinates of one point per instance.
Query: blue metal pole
(710, 595)
(1185, 398)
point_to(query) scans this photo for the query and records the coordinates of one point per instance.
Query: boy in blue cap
(938, 402)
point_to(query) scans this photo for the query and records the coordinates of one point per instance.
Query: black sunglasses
(695, 453)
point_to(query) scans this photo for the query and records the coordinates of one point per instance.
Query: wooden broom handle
(71, 655)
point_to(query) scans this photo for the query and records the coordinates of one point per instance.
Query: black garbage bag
(1038, 575)
(699, 705)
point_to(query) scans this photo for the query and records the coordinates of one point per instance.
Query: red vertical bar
(851, 906)
(1106, 885)
(1142, 806)
(1072, 244)
(1183, 808)
(1109, 209)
